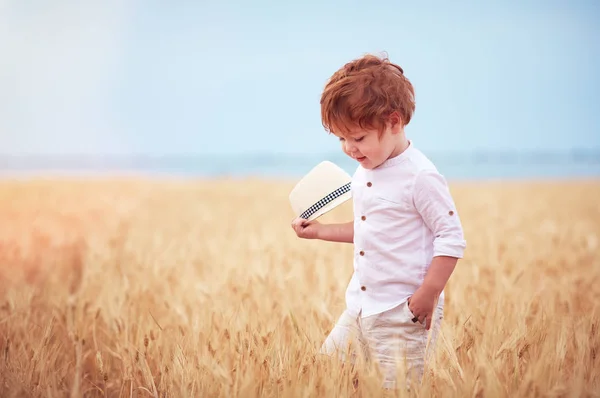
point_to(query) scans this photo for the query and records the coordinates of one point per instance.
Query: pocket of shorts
(408, 311)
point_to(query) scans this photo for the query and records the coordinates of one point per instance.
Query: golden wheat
(200, 288)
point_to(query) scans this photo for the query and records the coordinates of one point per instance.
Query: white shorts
(390, 338)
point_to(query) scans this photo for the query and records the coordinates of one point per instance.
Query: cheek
(367, 149)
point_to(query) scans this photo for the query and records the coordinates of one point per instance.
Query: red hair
(365, 93)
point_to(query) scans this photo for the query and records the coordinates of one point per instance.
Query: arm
(337, 232)
(436, 206)
(439, 272)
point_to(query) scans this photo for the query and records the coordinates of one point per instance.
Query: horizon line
(570, 150)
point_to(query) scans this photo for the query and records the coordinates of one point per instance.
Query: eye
(359, 139)
(341, 139)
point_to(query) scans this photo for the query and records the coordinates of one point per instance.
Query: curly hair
(364, 93)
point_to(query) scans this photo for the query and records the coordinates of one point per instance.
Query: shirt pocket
(392, 202)
(390, 213)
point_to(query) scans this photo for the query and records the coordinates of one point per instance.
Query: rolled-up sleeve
(434, 202)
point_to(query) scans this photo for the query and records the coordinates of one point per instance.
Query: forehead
(345, 127)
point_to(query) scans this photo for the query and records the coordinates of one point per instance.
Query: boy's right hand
(306, 229)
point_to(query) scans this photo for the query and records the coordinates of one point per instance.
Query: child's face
(368, 148)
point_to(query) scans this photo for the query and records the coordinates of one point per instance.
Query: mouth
(361, 159)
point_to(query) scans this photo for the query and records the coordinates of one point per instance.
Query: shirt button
(362, 253)
(451, 212)
(363, 288)
(369, 184)
(363, 218)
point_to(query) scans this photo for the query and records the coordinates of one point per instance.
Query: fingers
(298, 224)
(414, 318)
(298, 221)
(422, 318)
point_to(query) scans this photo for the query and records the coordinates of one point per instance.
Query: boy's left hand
(422, 303)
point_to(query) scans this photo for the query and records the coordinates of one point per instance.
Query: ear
(395, 122)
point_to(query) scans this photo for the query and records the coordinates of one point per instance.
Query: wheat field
(178, 288)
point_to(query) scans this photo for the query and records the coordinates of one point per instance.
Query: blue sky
(233, 76)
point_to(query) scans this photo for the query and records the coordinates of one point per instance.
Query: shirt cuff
(449, 247)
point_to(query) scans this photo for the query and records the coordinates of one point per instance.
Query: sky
(133, 77)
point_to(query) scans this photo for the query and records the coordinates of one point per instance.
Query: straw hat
(324, 188)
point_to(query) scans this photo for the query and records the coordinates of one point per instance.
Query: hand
(306, 229)
(422, 304)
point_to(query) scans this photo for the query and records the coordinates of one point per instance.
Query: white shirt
(404, 215)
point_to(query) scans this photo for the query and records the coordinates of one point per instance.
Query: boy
(406, 231)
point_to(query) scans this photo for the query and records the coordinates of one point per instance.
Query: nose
(349, 147)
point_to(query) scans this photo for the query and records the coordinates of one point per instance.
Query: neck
(401, 146)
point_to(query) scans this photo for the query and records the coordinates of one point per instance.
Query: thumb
(306, 223)
(299, 222)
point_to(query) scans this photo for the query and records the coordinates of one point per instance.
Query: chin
(371, 165)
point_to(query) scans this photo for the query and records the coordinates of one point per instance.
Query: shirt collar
(399, 158)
